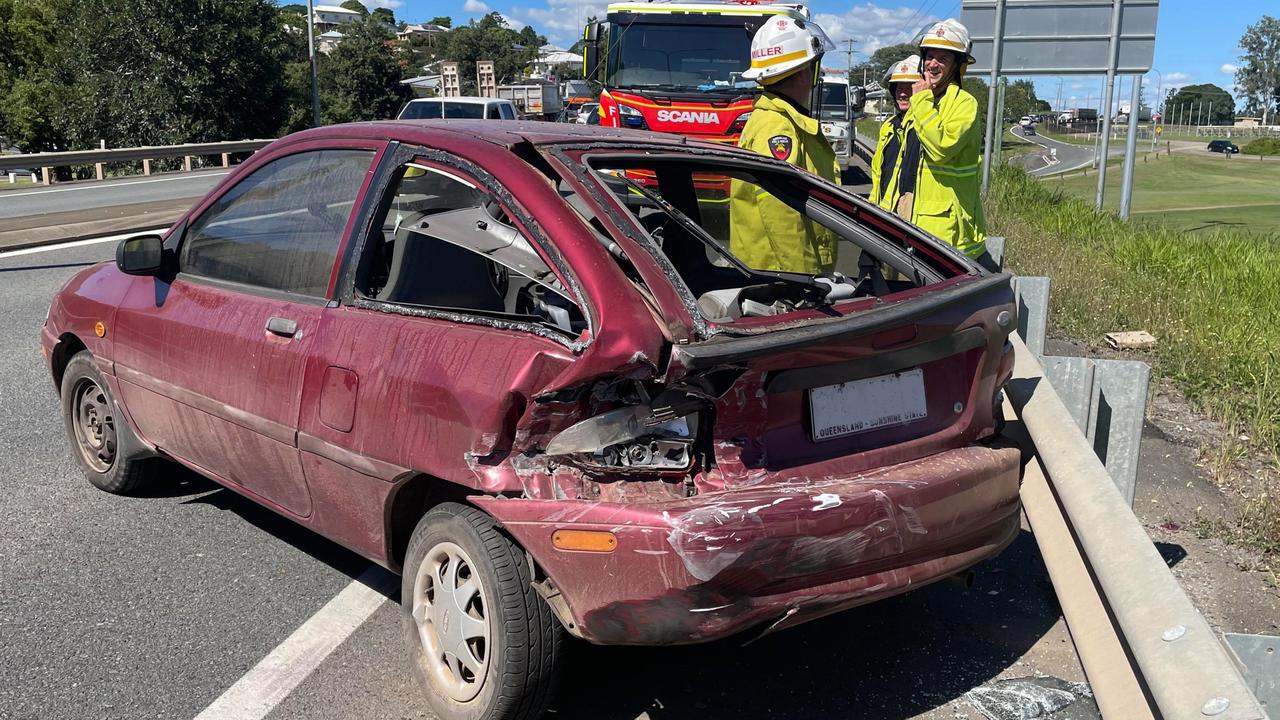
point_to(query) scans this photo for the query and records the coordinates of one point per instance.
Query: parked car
(1223, 146)
(586, 110)
(1025, 121)
(459, 108)
(521, 365)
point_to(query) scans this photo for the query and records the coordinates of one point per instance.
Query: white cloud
(1178, 78)
(1227, 69)
(511, 22)
(475, 6)
(561, 20)
(390, 4)
(872, 27)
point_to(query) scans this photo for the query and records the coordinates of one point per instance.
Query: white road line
(107, 186)
(79, 243)
(284, 668)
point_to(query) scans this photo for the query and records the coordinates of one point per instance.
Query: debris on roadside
(1131, 340)
(1034, 697)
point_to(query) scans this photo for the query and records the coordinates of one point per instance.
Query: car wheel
(103, 444)
(482, 643)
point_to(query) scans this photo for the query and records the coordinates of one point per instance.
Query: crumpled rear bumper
(803, 546)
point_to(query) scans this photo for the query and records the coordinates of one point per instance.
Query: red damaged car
(520, 365)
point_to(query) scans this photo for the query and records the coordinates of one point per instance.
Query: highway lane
(155, 605)
(89, 195)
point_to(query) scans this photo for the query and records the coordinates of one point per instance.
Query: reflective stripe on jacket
(765, 233)
(884, 190)
(946, 200)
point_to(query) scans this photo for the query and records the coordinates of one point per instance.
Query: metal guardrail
(863, 146)
(49, 160)
(1171, 650)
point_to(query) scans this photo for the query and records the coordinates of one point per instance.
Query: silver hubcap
(452, 615)
(94, 425)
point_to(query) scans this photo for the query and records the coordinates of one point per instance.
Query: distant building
(328, 17)
(549, 56)
(326, 42)
(423, 85)
(423, 30)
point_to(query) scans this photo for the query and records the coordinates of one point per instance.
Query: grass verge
(1211, 298)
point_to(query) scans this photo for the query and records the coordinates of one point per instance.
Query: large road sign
(1062, 37)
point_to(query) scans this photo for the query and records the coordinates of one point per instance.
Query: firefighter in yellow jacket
(886, 162)
(765, 233)
(944, 116)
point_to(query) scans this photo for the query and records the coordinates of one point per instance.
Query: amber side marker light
(99, 329)
(584, 540)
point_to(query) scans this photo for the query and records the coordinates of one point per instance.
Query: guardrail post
(97, 170)
(1033, 311)
(45, 177)
(146, 167)
(226, 159)
(186, 163)
(995, 248)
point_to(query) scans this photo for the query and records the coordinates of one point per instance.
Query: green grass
(1193, 193)
(1211, 298)
(1064, 137)
(869, 127)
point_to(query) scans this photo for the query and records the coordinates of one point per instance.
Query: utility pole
(848, 62)
(997, 46)
(311, 55)
(1208, 118)
(1058, 106)
(1130, 149)
(1113, 59)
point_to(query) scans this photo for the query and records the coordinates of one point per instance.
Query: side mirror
(141, 255)
(591, 52)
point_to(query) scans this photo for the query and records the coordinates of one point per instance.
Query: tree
(146, 78)
(1206, 104)
(442, 20)
(385, 15)
(880, 61)
(360, 79)
(489, 38)
(1258, 76)
(355, 5)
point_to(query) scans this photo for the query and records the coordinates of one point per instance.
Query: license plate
(862, 405)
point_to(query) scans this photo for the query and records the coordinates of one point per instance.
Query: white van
(459, 108)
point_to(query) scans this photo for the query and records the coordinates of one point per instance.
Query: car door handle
(282, 327)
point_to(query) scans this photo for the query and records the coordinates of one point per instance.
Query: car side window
(445, 243)
(507, 112)
(280, 227)
(493, 113)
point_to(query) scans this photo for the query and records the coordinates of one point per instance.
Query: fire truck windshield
(835, 101)
(671, 57)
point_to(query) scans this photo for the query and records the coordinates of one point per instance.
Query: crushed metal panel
(995, 248)
(1033, 311)
(1260, 655)
(1061, 37)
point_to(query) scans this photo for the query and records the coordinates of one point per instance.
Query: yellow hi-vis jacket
(764, 233)
(946, 195)
(884, 190)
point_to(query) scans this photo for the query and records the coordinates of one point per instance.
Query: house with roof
(329, 17)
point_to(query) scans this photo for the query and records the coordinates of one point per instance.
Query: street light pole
(311, 55)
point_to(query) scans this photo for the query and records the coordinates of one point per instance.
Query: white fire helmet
(783, 45)
(950, 35)
(907, 71)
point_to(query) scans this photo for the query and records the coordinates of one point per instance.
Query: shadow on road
(893, 659)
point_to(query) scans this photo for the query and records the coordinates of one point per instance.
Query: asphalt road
(153, 606)
(1069, 157)
(90, 195)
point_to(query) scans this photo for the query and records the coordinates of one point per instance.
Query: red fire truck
(676, 66)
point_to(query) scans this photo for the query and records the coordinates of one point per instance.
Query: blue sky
(1196, 41)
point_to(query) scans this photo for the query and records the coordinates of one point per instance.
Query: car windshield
(835, 101)
(451, 111)
(669, 57)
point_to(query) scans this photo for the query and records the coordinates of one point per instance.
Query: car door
(211, 362)
(456, 319)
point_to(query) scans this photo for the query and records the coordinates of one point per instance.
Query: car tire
(102, 443)
(500, 662)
